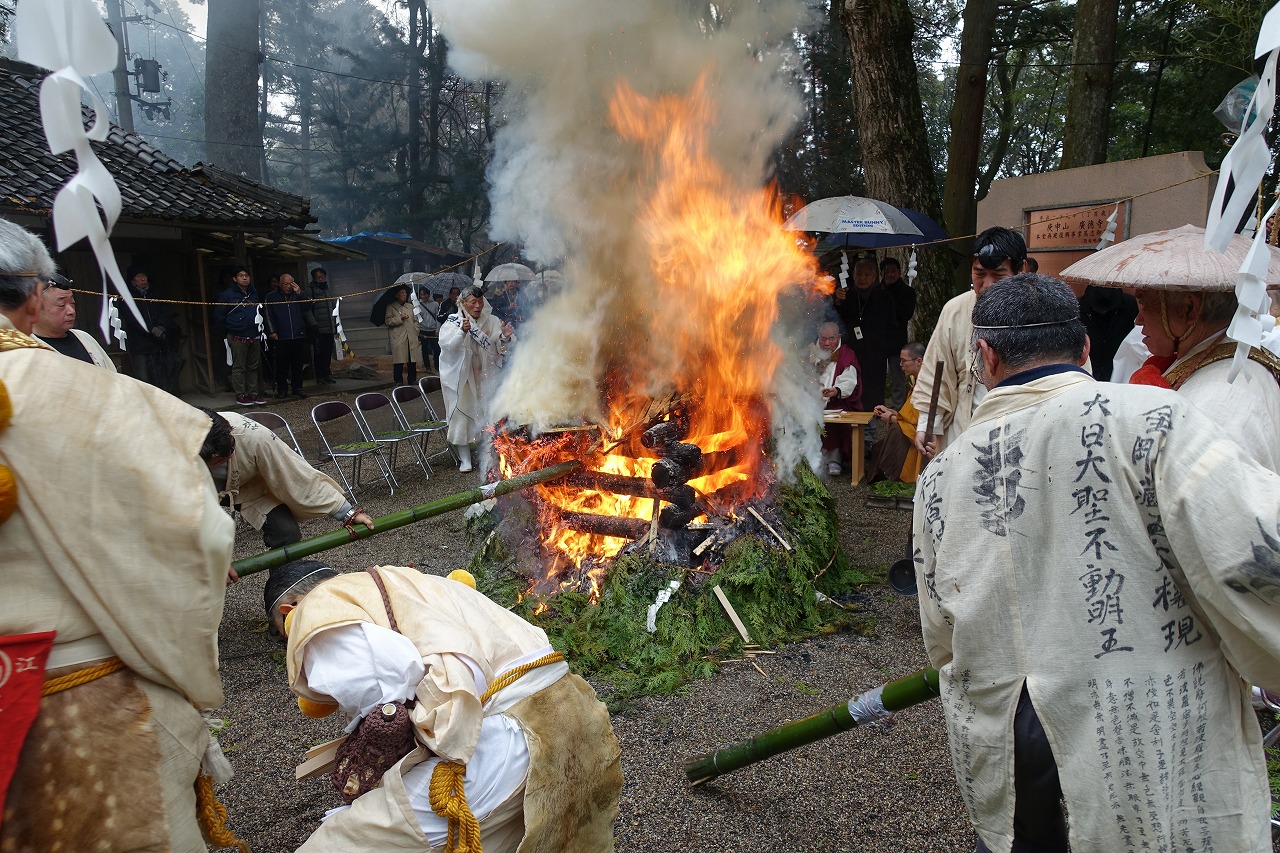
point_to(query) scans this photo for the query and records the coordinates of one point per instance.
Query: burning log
(674, 518)
(683, 496)
(666, 432)
(668, 473)
(688, 456)
(605, 525)
(618, 484)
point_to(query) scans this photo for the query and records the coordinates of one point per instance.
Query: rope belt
(448, 800)
(81, 676)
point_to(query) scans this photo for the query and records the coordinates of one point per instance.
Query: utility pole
(124, 103)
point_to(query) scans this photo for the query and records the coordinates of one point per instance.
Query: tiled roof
(153, 186)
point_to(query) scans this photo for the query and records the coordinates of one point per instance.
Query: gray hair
(1028, 319)
(860, 262)
(471, 291)
(24, 263)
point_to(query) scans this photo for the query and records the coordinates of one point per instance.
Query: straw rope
(198, 303)
(81, 676)
(515, 673)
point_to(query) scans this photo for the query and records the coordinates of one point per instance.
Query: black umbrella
(378, 314)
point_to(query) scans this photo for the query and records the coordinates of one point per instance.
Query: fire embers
(678, 462)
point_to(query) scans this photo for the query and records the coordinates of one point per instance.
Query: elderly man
(116, 553)
(1099, 573)
(840, 383)
(270, 485)
(506, 748)
(997, 254)
(473, 343)
(1184, 309)
(56, 326)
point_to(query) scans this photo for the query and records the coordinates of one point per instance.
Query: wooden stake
(758, 669)
(733, 614)
(769, 527)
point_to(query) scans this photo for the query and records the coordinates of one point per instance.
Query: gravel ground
(873, 788)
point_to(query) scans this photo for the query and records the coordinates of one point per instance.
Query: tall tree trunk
(233, 139)
(959, 202)
(417, 46)
(1093, 56)
(305, 101)
(891, 130)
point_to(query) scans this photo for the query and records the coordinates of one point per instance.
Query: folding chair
(405, 394)
(428, 385)
(351, 444)
(378, 420)
(275, 423)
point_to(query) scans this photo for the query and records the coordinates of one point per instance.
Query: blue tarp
(344, 241)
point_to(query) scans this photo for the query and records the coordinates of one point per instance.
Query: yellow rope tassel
(513, 674)
(212, 816)
(81, 676)
(450, 802)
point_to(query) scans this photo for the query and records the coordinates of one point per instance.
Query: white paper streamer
(1109, 233)
(70, 39)
(911, 269)
(664, 595)
(340, 347)
(230, 361)
(417, 305)
(262, 328)
(475, 275)
(844, 271)
(1247, 160)
(117, 326)
(1246, 164)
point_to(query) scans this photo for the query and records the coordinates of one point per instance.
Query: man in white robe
(542, 766)
(1100, 571)
(473, 343)
(117, 546)
(997, 254)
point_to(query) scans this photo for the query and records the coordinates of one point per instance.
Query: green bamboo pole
(895, 695)
(448, 503)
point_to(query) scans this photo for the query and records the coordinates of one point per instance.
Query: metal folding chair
(378, 420)
(400, 397)
(275, 423)
(428, 385)
(350, 444)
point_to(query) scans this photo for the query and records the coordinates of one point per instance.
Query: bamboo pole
(440, 506)
(895, 695)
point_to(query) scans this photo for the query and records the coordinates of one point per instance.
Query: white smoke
(566, 184)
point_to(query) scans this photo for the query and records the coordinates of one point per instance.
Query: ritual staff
(115, 552)
(840, 383)
(894, 455)
(473, 343)
(997, 254)
(1186, 299)
(268, 483)
(508, 748)
(56, 326)
(1098, 576)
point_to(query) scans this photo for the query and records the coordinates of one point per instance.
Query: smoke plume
(667, 266)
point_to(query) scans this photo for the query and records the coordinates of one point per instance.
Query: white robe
(960, 391)
(1108, 547)
(469, 363)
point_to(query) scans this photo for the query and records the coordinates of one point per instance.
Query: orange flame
(718, 260)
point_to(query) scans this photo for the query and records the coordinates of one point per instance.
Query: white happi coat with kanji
(1106, 546)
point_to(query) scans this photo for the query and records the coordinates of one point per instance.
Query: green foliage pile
(772, 590)
(893, 489)
(1273, 773)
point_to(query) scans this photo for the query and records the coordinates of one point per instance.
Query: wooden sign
(1073, 227)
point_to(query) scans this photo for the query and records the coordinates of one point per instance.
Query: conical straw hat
(1168, 260)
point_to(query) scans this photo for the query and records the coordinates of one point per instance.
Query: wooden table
(857, 420)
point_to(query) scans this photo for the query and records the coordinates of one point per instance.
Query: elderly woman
(472, 344)
(402, 325)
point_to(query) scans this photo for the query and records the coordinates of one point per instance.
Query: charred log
(674, 518)
(617, 484)
(666, 432)
(683, 496)
(686, 455)
(605, 525)
(668, 472)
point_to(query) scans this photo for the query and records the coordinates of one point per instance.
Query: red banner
(22, 659)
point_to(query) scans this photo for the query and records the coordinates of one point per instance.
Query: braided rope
(449, 801)
(212, 816)
(513, 674)
(81, 676)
